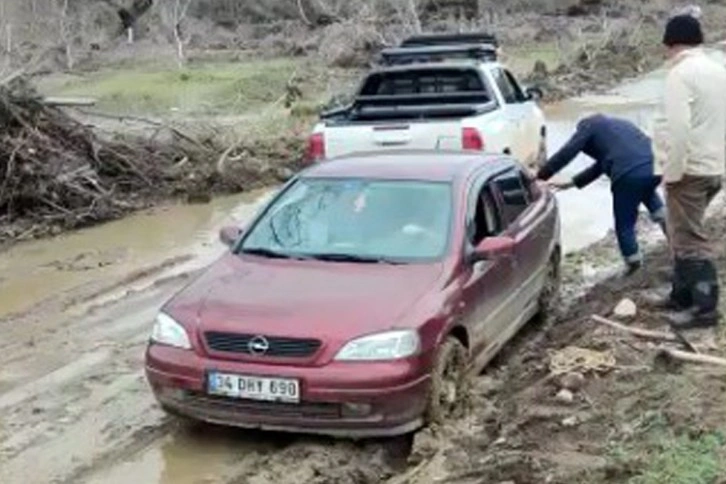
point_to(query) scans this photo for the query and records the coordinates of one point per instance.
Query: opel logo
(258, 345)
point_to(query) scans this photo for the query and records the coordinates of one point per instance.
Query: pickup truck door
(511, 109)
(532, 119)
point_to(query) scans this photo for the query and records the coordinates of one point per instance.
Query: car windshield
(356, 220)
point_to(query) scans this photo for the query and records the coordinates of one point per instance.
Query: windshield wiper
(361, 259)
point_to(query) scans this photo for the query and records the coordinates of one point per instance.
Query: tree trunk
(179, 47)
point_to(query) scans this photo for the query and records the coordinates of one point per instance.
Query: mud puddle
(33, 271)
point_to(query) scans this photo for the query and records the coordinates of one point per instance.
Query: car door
(486, 284)
(514, 112)
(527, 218)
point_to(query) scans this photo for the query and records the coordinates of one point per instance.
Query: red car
(359, 301)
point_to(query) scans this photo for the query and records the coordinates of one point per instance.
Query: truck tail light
(315, 150)
(471, 139)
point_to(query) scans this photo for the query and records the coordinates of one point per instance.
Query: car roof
(428, 165)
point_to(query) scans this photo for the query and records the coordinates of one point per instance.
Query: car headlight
(168, 332)
(391, 345)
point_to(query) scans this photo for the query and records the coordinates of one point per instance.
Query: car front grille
(205, 403)
(276, 346)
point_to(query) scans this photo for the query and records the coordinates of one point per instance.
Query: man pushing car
(622, 152)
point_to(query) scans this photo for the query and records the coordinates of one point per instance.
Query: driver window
(486, 220)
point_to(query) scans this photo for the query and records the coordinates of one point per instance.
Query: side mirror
(229, 235)
(493, 248)
(534, 93)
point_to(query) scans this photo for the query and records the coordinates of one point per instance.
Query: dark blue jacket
(618, 147)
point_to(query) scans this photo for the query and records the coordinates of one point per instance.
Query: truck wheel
(550, 295)
(449, 389)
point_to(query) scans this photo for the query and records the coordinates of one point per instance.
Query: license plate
(254, 387)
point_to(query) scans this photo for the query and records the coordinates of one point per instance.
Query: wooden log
(68, 101)
(639, 332)
(694, 357)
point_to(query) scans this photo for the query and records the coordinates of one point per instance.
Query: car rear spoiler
(437, 53)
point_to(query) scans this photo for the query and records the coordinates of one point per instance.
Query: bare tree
(173, 14)
(408, 14)
(65, 29)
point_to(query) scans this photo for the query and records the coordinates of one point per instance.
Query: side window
(514, 195)
(518, 92)
(507, 89)
(486, 222)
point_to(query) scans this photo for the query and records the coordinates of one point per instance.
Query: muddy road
(75, 313)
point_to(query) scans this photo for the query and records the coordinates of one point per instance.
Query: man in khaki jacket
(690, 151)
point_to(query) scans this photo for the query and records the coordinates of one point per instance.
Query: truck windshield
(423, 81)
(355, 220)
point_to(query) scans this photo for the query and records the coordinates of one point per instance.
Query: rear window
(422, 82)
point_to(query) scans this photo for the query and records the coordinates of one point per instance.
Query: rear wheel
(449, 389)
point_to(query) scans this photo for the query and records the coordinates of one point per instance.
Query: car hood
(326, 300)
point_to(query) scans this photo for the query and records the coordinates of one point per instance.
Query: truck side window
(514, 195)
(508, 91)
(486, 221)
(518, 92)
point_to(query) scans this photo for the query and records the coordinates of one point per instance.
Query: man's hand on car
(558, 185)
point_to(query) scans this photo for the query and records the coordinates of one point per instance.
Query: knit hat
(683, 30)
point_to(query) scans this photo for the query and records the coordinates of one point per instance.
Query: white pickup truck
(437, 92)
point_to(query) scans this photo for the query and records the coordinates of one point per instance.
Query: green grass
(656, 455)
(214, 88)
(683, 460)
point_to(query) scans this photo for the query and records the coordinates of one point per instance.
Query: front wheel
(550, 296)
(449, 389)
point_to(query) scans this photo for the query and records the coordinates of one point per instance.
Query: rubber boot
(704, 290)
(680, 297)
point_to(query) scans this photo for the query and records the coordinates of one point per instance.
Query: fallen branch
(693, 357)
(639, 332)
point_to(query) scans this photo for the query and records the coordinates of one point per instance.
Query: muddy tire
(449, 383)
(549, 298)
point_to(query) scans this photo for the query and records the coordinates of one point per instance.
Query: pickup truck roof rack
(437, 53)
(430, 40)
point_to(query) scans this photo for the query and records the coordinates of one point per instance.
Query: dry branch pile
(57, 174)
